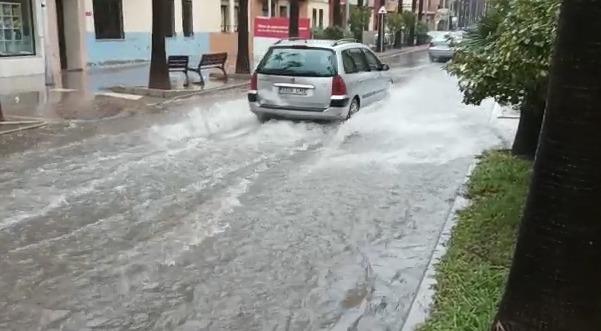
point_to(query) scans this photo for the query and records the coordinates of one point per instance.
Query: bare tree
(294, 16)
(554, 282)
(159, 72)
(242, 60)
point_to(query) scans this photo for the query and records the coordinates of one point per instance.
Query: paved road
(203, 219)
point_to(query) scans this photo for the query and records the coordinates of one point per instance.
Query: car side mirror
(384, 67)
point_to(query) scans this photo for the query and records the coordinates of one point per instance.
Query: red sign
(277, 27)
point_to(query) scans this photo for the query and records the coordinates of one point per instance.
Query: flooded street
(209, 220)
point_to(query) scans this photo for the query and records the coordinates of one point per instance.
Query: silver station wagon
(317, 80)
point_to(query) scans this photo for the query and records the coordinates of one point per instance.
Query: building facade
(78, 34)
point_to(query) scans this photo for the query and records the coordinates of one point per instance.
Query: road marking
(59, 89)
(121, 95)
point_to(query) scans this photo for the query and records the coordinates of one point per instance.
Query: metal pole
(382, 33)
(48, 73)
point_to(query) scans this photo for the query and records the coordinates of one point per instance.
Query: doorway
(60, 22)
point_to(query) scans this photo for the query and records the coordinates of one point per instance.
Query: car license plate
(293, 90)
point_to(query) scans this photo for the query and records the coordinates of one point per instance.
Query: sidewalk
(87, 95)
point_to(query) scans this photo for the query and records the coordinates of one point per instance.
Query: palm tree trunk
(412, 27)
(159, 72)
(337, 14)
(554, 283)
(532, 110)
(294, 16)
(242, 60)
(398, 36)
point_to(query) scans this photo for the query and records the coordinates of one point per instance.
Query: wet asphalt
(198, 217)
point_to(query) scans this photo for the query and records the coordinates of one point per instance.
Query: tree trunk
(159, 72)
(398, 36)
(294, 16)
(242, 60)
(420, 11)
(337, 14)
(525, 143)
(381, 34)
(1, 115)
(554, 283)
(412, 27)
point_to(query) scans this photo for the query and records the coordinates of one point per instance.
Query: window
(321, 18)
(348, 63)
(187, 20)
(170, 28)
(373, 62)
(291, 61)
(283, 11)
(224, 18)
(108, 19)
(358, 59)
(236, 20)
(314, 18)
(16, 28)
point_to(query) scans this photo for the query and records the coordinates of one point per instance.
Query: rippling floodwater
(216, 222)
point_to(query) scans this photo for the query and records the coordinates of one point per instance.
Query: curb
(424, 297)
(201, 93)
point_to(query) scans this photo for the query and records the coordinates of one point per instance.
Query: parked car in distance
(317, 80)
(440, 50)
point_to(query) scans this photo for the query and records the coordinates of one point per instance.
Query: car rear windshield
(299, 61)
(440, 42)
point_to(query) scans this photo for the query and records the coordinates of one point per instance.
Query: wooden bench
(179, 63)
(211, 61)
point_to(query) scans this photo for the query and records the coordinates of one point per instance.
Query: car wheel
(353, 108)
(433, 59)
(263, 118)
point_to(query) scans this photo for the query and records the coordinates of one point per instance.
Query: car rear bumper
(440, 53)
(337, 110)
(328, 114)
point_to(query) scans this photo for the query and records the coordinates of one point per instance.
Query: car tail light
(338, 86)
(253, 82)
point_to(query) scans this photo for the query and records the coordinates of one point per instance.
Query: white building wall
(323, 5)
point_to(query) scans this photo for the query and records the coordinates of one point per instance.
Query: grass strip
(471, 276)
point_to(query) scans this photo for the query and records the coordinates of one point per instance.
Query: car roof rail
(290, 39)
(344, 41)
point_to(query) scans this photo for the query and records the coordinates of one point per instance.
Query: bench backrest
(177, 61)
(213, 59)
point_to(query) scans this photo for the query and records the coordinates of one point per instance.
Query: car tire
(262, 118)
(353, 108)
(433, 59)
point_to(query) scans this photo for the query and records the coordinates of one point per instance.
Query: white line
(121, 95)
(58, 89)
